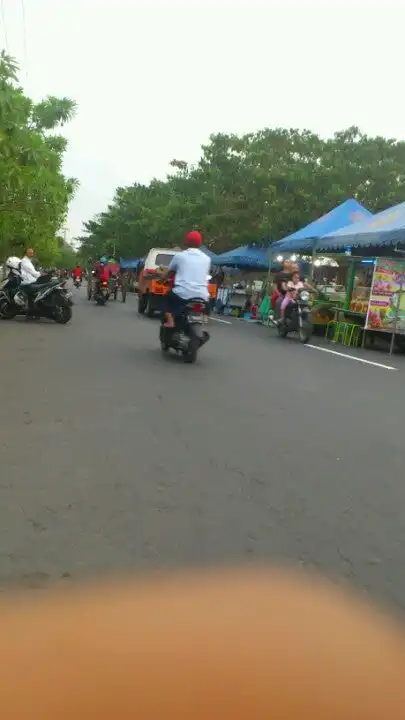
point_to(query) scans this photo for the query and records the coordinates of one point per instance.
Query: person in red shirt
(77, 273)
(101, 270)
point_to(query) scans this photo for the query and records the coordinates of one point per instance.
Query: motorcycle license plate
(195, 318)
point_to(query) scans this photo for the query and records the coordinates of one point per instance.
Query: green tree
(67, 257)
(250, 188)
(34, 194)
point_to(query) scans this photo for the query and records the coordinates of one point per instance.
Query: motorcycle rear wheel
(7, 312)
(163, 337)
(190, 355)
(62, 315)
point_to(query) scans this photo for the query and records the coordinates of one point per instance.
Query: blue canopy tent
(208, 252)
(381, 230)
(245, 258)
(305, 239)
(129, 264)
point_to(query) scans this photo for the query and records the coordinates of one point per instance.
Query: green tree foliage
(243, 189)
(34, 194)
(67, 257)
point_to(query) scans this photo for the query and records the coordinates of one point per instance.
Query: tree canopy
(34, 194)
(251, 188)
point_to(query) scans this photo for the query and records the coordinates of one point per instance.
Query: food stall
(239, 291)
(323, 270)
(346, 293)
(377, 296)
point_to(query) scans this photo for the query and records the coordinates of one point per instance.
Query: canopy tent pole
(313, 263)
(270, 258)
(396, 318)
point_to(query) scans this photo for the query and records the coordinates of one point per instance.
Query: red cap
(193, 239)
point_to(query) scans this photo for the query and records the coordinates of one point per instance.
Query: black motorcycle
(188, 334)
(49, 299)
(297, 317)
(101, 291)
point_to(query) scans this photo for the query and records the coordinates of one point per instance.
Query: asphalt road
(113, 458)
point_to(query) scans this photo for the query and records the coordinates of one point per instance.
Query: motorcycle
(297, 317)
(50, 300)
(101, 292)
(77, 282)
(187, 336)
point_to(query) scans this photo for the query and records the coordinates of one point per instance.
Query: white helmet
(13, 263)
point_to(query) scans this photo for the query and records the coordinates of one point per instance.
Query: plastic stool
(352, 335)
(340, 332)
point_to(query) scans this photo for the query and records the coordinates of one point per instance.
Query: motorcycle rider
(293, 286)
(191, 269)
(29, 278)
(77, 273)
(101, 271)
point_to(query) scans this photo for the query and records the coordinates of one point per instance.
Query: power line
(3, 18)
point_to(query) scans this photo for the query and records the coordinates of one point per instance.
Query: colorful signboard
(386, 309)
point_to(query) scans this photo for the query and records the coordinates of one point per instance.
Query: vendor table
(233, 299)
(351, 314)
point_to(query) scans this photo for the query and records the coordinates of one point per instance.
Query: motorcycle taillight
(198, 307)
(104, 283)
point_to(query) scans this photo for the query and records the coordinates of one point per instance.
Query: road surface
(113, 458)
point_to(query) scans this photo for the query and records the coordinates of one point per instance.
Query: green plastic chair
(352, 335)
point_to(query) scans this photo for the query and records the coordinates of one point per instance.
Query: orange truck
(151, 290)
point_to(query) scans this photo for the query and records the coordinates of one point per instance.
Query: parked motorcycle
(188, 335)
(101, 292)
(297, 317)
(50, 299)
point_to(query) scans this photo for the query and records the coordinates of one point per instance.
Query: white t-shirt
(192, 268)
(28, 272)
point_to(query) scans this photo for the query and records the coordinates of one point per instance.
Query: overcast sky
(153, 78)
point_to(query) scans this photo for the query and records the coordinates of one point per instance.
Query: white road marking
(351, 357)
(226, 322)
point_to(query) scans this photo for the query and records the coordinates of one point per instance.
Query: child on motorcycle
(293, 286)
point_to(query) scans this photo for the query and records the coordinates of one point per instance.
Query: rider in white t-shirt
(191, 269)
